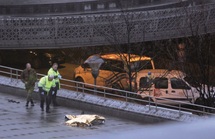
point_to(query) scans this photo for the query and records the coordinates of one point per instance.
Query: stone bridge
(75, 30)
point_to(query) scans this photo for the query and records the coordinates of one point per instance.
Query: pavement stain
(14, 129)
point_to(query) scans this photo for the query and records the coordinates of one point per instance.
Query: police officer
(54, 71)
(46, 86)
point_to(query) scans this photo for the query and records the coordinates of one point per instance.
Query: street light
(94, 62)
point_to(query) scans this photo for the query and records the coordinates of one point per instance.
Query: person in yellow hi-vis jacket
(54, 71)
(46, 86)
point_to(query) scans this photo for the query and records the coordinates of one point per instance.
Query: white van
(161, 84)
(112, 72)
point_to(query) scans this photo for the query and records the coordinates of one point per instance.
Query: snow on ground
(117, 104)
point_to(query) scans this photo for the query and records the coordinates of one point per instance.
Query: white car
(112, 72)
(84, 120)
(163, 86)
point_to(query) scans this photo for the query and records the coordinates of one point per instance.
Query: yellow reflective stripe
(52, 72)
(46, 84)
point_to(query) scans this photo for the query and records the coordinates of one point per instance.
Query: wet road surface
(18, 122)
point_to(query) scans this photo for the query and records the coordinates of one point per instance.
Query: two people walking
(48, 87)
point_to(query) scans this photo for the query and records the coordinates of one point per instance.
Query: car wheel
(78, 85)
(36, 63)
(147, 100)
(118, 92)
(199, 101)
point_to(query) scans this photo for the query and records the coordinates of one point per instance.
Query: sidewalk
(107, 106)
(17, 122)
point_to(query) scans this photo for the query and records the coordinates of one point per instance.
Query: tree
(119, 32)
(194, 53)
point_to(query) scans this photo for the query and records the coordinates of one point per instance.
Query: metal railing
(122, 95)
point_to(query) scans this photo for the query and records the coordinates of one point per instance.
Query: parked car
(112, 72)
(37, 58)
(161, 84)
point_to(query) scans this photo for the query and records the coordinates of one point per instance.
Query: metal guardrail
(127, 96)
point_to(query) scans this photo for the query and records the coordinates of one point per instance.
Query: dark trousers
(45, 97)
(54, 95)
(29, 95)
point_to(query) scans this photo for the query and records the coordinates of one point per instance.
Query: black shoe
(26, 105)
(32, 102)
(42, 109)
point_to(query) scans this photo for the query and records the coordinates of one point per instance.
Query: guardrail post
(76, 86)
(156, 105)
(149, 103)
(11, 72)
(17, 75)
(104, 93)
(82, 85)
(95, 89)
(126, 96)
(179, 109)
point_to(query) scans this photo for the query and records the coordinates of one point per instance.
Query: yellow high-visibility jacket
(46, 84)
(55, 73)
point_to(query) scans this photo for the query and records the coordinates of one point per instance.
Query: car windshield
(178, 84)
(112, 65)
(192, 81)
(161, 82)
(140, 65)
(119, 66)
(145, 82)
